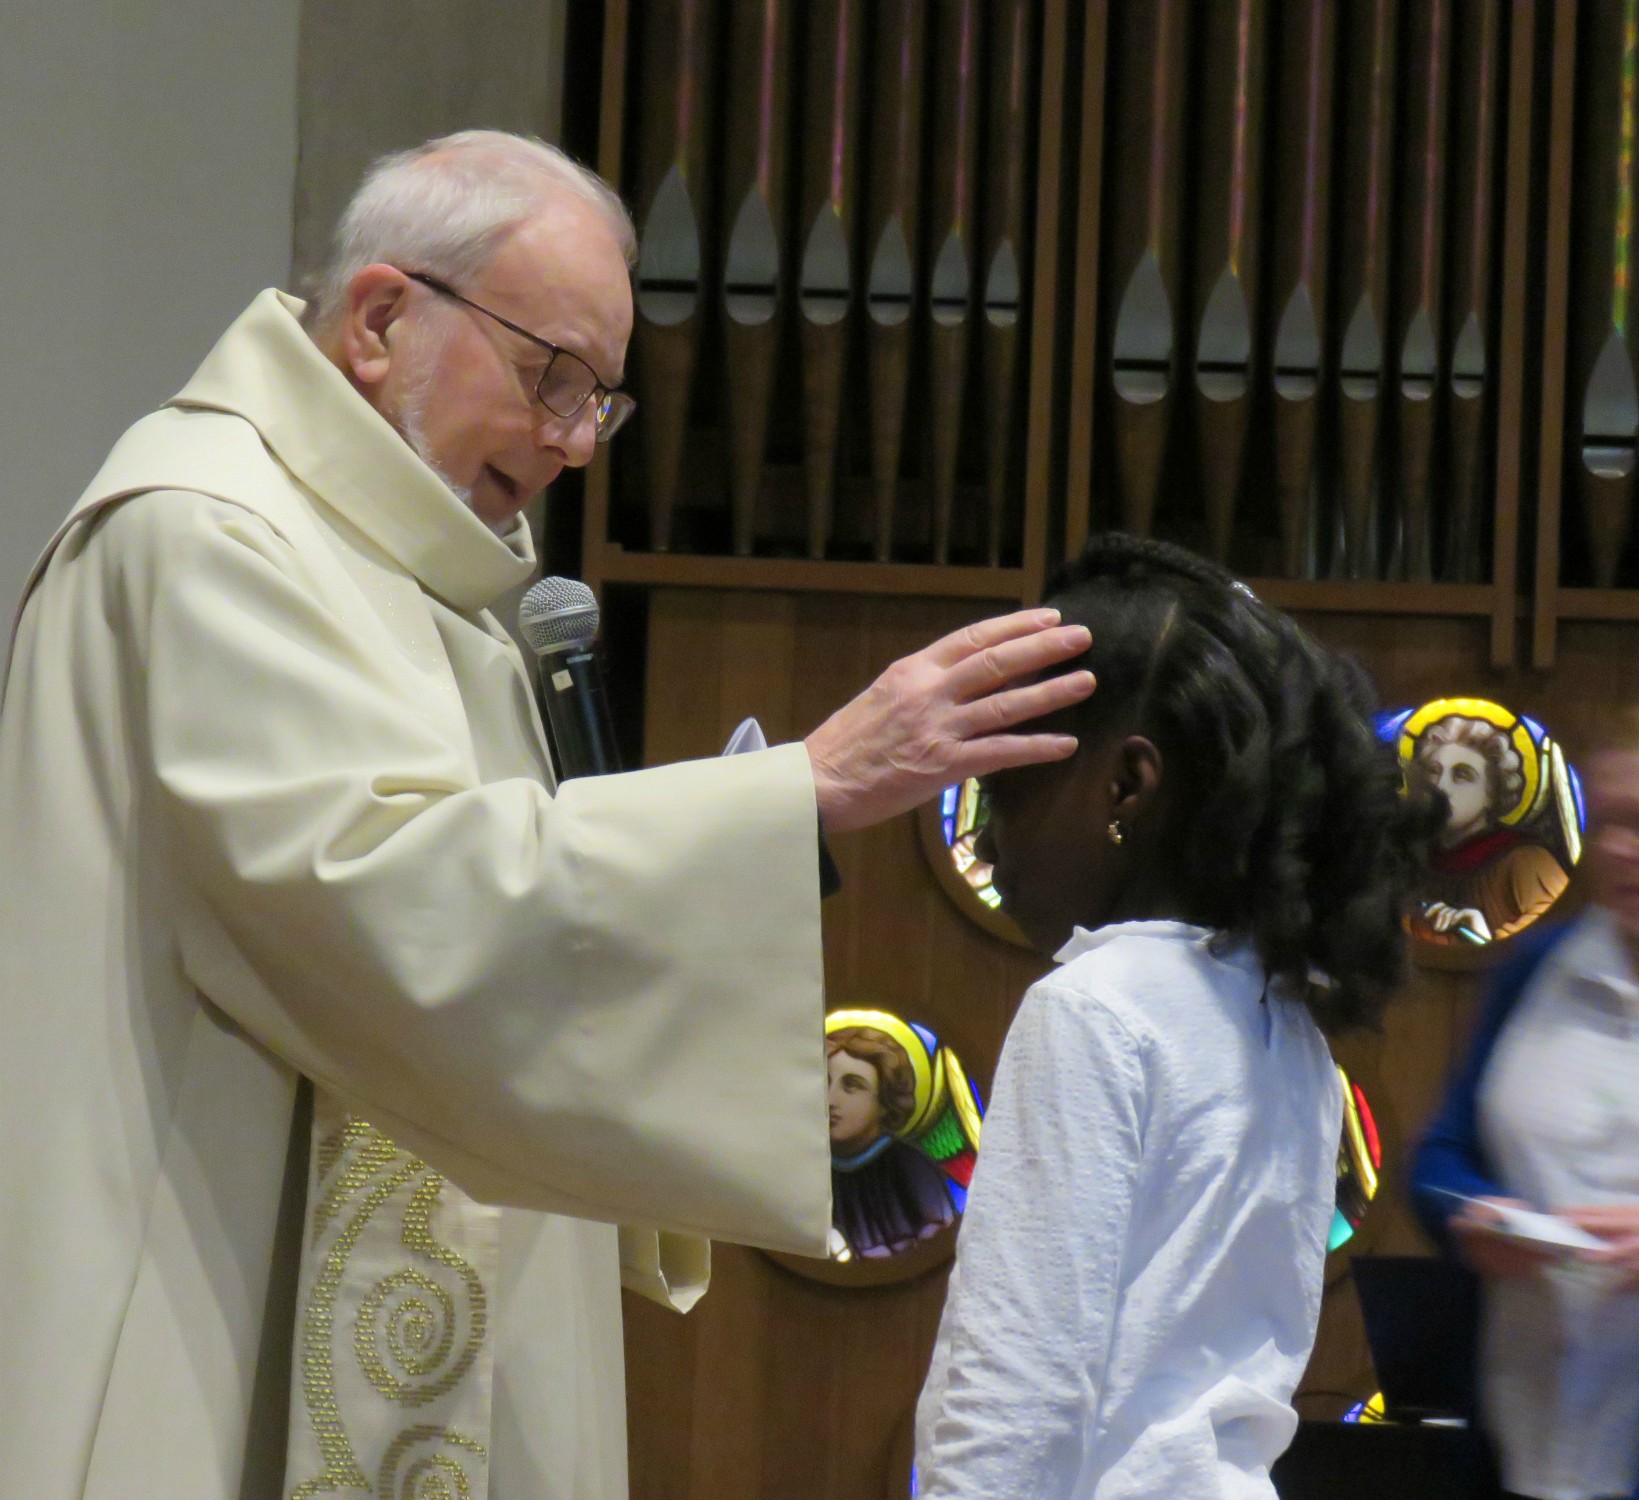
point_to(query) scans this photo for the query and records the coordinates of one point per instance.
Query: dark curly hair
(1285, 812)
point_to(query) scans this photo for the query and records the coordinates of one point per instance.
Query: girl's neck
(1150, 901)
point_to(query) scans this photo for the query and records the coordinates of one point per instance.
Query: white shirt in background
(1140, 1266)
(1559, 1120)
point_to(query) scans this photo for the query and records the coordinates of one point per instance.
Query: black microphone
(559, 619)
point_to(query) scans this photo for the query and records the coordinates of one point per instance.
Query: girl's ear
(1135, 780)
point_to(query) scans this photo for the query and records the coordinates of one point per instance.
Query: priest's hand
(944, 714)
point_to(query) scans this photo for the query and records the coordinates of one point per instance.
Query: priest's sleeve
(605, 1002)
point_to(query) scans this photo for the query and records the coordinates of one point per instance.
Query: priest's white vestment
(274, 805)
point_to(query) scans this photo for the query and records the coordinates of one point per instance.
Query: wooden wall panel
(781, 1386)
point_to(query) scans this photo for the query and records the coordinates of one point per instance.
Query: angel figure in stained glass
(1512, 827)
(904, 1124)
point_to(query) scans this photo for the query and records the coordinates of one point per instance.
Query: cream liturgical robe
(274, 804)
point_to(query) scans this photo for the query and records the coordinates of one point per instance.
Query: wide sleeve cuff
(671, 1269)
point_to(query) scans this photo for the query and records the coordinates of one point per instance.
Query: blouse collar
(1084, 941)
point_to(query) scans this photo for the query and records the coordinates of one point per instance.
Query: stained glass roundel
(905, 1120)
(950, 829)
(1359, 1160)
(1513, 826)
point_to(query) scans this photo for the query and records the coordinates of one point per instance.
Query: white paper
(1548, 1231)
(745, 740)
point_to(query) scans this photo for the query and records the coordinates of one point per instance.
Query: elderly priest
(275, 806)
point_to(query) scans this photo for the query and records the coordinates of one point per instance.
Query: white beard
(415, 436)
(411, 418)
(413, 411)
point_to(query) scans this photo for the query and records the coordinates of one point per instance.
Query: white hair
(446, 206)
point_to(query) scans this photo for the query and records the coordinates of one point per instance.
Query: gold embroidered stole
(394, 1358)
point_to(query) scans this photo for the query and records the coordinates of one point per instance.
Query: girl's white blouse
(1140, 1266)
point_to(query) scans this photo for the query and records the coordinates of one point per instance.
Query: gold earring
(1115, 832)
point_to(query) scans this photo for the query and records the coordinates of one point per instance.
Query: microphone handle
(577, 713)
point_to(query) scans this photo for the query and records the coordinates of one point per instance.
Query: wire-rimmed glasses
(567, 383)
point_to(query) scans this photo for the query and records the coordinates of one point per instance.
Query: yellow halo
(929, 1090)
(1491, 713)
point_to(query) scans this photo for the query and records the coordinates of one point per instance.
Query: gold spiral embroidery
(375, 1153)
(405, 1333)
(454, 1470)
(417, 1317)
(371, 1151)
(418, 1327)
(330, 1147)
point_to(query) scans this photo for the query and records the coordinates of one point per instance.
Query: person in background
(1218, 872)
(1544, 1113)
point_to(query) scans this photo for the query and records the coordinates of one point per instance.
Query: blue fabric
(1450, 1158)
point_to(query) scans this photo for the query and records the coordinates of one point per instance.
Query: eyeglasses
(567, 383)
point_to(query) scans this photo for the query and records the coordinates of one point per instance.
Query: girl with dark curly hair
(1219, 871)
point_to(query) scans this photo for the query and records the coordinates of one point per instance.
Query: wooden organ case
(1339, 292)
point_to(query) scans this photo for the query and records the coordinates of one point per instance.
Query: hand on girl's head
(947, 712)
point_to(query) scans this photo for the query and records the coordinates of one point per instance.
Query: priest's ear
(378, 296)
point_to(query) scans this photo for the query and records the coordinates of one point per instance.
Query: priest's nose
(575, 437)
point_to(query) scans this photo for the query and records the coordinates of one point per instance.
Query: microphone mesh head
(558, 612)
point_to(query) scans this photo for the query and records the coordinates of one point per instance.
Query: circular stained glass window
(904, 1121)
(1513, 826)
(1359, 1160)
(1369, 1410)
(963, 813)
(950, 830)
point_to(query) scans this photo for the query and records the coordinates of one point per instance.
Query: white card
(1547, 1231)
(745, 740)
